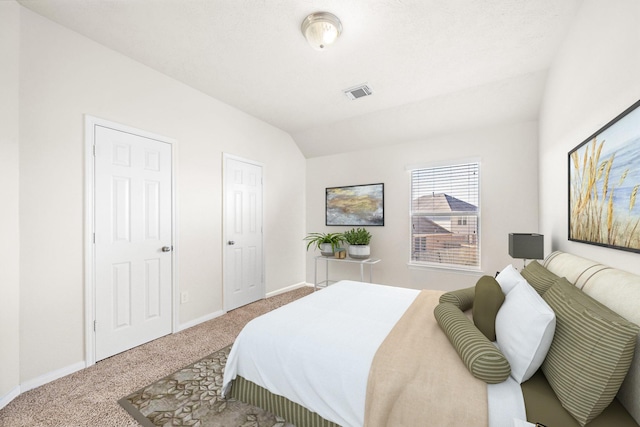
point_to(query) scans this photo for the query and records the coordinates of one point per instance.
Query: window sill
(471, 271)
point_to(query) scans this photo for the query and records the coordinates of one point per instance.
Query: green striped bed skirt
(251, 393)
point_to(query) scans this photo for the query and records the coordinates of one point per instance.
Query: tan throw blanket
(418, 379)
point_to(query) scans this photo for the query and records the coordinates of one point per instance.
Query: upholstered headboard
(618, 290)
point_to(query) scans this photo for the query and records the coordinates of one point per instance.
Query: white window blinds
(445, 214)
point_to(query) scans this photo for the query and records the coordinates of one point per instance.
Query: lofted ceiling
(435, 66)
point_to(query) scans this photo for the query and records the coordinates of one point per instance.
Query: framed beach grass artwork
(604, 178)
(355, 205)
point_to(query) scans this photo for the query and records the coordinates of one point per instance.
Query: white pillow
(508, 278)
(525, 325)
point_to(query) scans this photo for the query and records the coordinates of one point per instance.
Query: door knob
(231, 242)
(166, 249)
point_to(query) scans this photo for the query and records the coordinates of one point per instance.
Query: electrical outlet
(184, 297)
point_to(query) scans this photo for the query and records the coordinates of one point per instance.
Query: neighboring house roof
(441, 202)
(423, 225)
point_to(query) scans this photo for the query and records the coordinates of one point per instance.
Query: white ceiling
(434, 65)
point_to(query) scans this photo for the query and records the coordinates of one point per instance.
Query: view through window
(445, 215)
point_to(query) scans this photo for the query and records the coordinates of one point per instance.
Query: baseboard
(59, 373)
(287, 289)
(6, 399)
(219, 313)
(199, 320)
(51, 376)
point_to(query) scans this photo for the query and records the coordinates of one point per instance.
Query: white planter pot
(325, 249)
(359, 251)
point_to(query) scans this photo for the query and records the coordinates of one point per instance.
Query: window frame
(412, 238)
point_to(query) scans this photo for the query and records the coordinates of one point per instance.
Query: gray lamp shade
(526, 245)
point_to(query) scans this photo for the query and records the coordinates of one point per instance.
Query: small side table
(326, 282)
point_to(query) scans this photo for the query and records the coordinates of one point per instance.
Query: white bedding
(505, 403)
(360, 315)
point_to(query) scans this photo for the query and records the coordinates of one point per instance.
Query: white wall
(594, 77)
(9, 241)
(64, 76)
(509, 199)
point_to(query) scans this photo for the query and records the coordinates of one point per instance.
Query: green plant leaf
(317, 239)
(357, 236)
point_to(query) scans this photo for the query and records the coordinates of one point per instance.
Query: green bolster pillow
(480, 356)
(461, 298)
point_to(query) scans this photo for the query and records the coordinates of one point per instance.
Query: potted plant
(358, 239)
(326, 242)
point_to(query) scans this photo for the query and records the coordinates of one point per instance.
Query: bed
(359, 354)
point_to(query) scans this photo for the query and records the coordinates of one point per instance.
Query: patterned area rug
(193, 397)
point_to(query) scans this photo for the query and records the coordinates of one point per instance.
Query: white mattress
(327, 339)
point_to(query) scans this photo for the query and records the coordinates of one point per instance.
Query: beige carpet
(89, 397)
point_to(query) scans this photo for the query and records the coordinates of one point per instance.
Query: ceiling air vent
(358, 91)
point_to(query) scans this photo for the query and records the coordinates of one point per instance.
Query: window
(420, 243)
(445, 214)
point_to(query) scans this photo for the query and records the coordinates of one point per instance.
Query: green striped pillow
(461, 298)
(538, 277)
(590, 354)
(480, 356)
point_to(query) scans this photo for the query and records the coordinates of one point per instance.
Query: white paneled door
(133, 240)
(243, 265)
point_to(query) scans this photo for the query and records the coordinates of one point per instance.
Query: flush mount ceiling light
(321, 29)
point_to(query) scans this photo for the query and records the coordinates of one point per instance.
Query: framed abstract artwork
(604, 178)
(355, 205)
